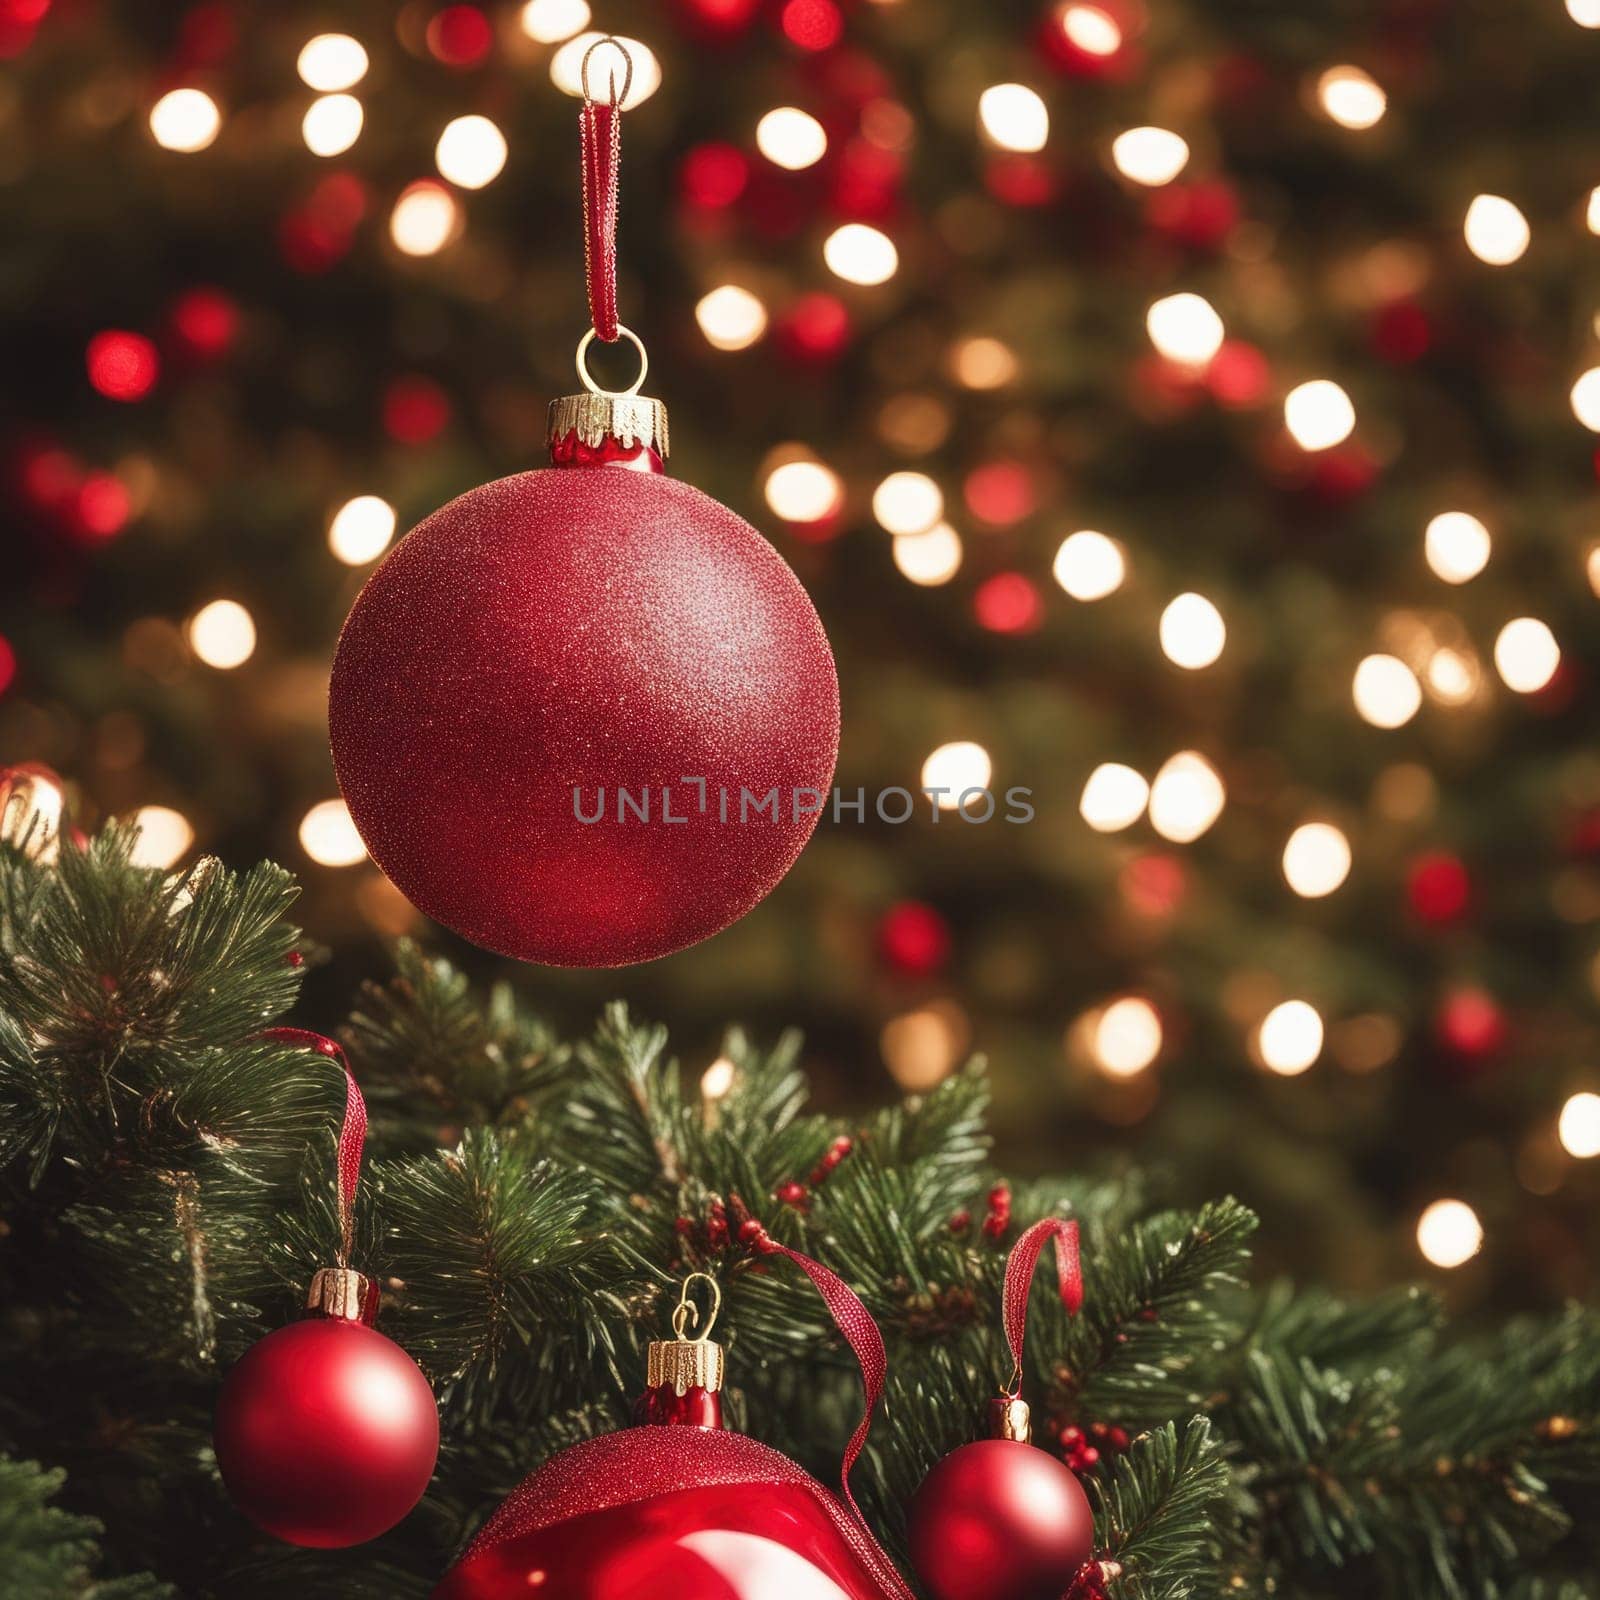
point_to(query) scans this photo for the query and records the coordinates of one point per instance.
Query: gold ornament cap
(343, 1294)
(1009, 1418)
(598, 414)
(688, 1363)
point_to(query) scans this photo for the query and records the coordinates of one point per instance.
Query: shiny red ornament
(326, 1433)
(544, 647)
(999, 1520)
(677, 1508)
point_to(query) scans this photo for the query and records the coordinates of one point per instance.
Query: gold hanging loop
(687, 1314)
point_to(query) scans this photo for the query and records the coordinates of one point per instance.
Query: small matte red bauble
(326, 1433)
(671, 1513)
(568, 633)
(999, 1520)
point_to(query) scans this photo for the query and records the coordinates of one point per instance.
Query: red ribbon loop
(1020, 1265)
(352, 1132)
(600, 134)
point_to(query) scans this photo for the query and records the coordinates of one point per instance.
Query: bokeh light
(1113, 798)
(1092, 30)
(1289, 1039)
(860, 254)
(185, 120)
(1185, 328)
(1151, 156)
(361, 529)
(424, 219)
(1456, 546)
(1316, 860)
(956, 768)
(791, 138)
(551, 21)
(1186, 797)
(731, 318)
(471, 152)
(222, 634)
(1192, 632)
(328, 835)
(1014, 117)
(331, 62)
(1449, 1233)
(1578, 1127)
(1586, 399)
(1318, 415)
(804, 491)
(907, 502)
(929, 558)
(1089, 566)
(164, 838)
(1386, 691)
(1351, 98)
(332, 124)
(566, 69)
(717, 1079)
(1526, 654)
(1496, 231)
(1127, 1036)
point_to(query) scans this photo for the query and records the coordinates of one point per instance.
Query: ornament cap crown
(591, 419)
(684, 1363)
(343, 1295)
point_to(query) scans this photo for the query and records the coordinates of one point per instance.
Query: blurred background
(1184, 409)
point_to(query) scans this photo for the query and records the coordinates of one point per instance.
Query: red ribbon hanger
(600, 136)
(1020, 1266)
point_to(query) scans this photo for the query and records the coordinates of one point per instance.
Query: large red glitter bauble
(326, 1433)
(999, 1520)
(670, 1511)
(564, 632)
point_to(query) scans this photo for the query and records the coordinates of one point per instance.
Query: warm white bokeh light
(361, 529)
(424, 218)
(551, 21)
(907, 502)
(566, 69)
(1186, 797)
(731, 318)
(1289, 1039)
(1351, 98)
(1452, 676)
(804, 491)
(471, 152)
(1586, 13)
(328, 835)
(1089, 566)
(1496, 231)
(1386, 691)
(1126, 1037)
(1014, 117)
(1579, 1126)
(164, 837)
(1456, 545)
(1093, 31)
(332, 124)
(1318, 414)
(791, 138)
(1114, 797)
(1591, 215)
(1526, 654)
(929, 558)
(1316, 860)
(1151, 156)
(222, 634)
(717, 1079)
(1185, 328)
(860, 254)
(331, 62)
(1449, 1233)
(957, 768)
(1586, 399)
(185, 120)
(1192, 632)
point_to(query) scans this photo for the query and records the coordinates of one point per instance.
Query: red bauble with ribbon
(999, 1519)
(586, 716)
(678, 1506)
(326, 1432)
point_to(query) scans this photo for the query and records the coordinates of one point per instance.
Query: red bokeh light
(720, 16)
(1200, 215)
(714, 175)
(8, 664)
(1438, 887)
(1401, 332)
(460, 36)
(122, 365)
(1153, 885)
(914, 939)
(1238, 375)
(1008, 603)
(103, 506)
(1020, 180)
(19, 19)
(49, 476)
(1471, 1024)
(1000, 493)
(816, 327)
(205, 321)
(812, 24)
(415, 410)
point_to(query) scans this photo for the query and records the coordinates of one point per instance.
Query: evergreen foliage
(166, 1188)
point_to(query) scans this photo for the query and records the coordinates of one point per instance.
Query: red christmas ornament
(326, 1432)
(678, 1507)
(586, 716)
(999, 1519)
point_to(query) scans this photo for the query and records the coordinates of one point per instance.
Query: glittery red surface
(672, 1513)
(999, 1518)
(584, 628)
(326, 1433)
